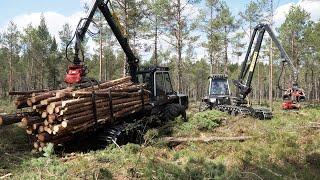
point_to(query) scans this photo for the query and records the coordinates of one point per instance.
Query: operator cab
(218, 92)
(219, 85)
(158, 81)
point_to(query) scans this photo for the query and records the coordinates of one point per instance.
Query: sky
(11, 9)
(59, 12)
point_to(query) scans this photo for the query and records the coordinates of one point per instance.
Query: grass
(6, 106)
(283, 148)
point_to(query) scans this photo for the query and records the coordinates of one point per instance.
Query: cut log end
(56, 120)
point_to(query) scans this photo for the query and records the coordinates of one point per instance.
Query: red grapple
(290, 105)
(74, 74)
(292, 97)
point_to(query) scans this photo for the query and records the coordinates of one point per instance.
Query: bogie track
(260, 113)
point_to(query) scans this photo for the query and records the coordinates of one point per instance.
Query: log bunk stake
(55, 116)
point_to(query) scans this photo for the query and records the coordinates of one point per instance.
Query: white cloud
(54, 21)
(311, 6)
(280, 14)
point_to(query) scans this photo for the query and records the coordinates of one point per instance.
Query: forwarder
(166, 103)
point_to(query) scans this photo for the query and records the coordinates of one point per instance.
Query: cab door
(162, 85)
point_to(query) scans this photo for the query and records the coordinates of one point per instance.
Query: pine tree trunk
(156, 42)
(10, 69)
(225, 51)
(259, 84)
(271, 62)
(126, 14)
(316, 87)
(42, 74)
(101, 52)
(179, 47)
(271, 77)
(210, 44)
(312, 84)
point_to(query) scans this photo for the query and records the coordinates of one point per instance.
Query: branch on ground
(205, 139)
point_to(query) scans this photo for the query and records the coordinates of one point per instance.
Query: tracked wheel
(203, 106)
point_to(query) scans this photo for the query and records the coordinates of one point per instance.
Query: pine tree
(11, 43)
(44, 43)
(238, 45)
(128, 13)
(180, 27)
(292, 32)
(227, 24)
(253, 15)
(53, 73)
(214, 39)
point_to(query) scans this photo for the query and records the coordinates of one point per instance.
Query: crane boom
(283, 53)
(81, 31)
(248, 67)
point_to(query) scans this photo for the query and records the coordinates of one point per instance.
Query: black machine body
(158, 82)
(218, 92)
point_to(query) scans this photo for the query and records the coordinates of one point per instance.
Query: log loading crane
(240, 104)
(165, 102)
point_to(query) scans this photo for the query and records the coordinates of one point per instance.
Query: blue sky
(59, 12)
(11, 8)
(239, 5)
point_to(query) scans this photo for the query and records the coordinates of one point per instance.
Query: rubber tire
(171, 111)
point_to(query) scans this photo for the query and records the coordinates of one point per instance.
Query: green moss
(43, 168)
(203, 121)
(195, 168)
(283, 148)
(6, 106)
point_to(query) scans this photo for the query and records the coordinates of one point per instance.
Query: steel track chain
(261, 113)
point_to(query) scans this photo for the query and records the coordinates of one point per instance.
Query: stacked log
(58, 116)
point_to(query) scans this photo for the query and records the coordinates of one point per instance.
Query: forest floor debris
(284, 151)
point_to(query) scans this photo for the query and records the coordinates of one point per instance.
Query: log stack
(58, 116)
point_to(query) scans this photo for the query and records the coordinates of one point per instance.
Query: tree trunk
(210, 44)
(156, 42)
(127, 34)
(11, 69)
(312, 84)
(205, 139)
(271, 76)
(101, 50)
(225, 51)
(179, 47)
(316, 87)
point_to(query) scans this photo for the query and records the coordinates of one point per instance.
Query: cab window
(163, 84)
(219, 87)
(167, 81)
(160, 85)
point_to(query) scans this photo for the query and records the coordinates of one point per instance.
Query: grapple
(292, 98)
(75, 73)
